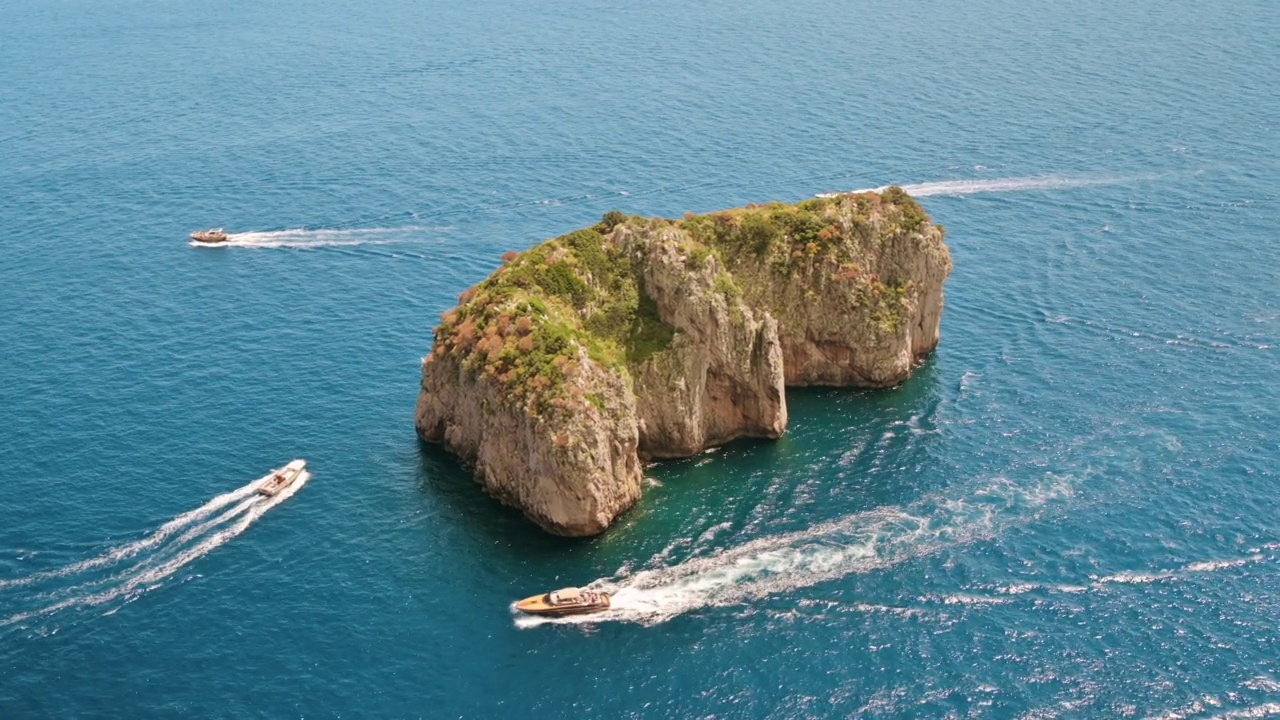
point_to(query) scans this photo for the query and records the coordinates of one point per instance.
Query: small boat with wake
(567, 601)
(282, 478)
(210, 236)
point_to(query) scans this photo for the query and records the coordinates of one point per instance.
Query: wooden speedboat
(282, 478)
(568, 601)
(213, 235)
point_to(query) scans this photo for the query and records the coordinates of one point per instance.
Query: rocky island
(643, 338)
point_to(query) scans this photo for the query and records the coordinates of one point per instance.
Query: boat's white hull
(282, 478)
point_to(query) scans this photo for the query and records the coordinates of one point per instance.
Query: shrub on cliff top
(648, 334)
(523, 325)
(791, 237)
(913, 216)
(775, 230)
(609, 221)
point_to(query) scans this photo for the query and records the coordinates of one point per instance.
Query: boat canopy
(567, 595)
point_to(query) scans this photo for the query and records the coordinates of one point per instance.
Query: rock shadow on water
(450, 482)
(847, 449)
(510, 556)
(860, 434)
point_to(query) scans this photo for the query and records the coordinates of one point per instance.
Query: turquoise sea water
(1071, 510)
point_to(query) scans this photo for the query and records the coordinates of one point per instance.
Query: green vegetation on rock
(524, 325)
(774, 249)
(791, 236)
(556, 376)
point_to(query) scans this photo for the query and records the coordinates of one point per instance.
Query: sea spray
(1017, 184)
(123, 552)
(301, 238)
(973, 187)
(165, 558)
(77, 587)
(1100, 584)
(857, 543)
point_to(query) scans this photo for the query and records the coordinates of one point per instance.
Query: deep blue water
(1069, 511)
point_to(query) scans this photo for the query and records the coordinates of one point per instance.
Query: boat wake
(1041, 594)
(302, 238)
(994, 185)
(855, 544)
(124, 572)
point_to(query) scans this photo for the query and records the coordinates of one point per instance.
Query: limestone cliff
(855, 282)
(572, 469)
(653, 338)
(721, 376)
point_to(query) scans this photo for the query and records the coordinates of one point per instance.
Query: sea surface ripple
(1068, 511)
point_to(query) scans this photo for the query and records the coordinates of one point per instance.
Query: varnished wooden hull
(538, 605)
(209, 237)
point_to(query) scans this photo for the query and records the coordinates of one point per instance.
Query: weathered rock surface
(862, 308)
(721, 378)
(653, 338)
(572, 474)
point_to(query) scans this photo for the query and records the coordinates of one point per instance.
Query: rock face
(721, 378)
(648, 338)
(531, 462)
(861, 300)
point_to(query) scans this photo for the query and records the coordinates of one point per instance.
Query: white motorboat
(282, 478)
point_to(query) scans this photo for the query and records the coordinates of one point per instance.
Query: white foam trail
(1203, 566)
(1018, 588)
(858, 543)
(1134, 578)
(1262, 683)
(1270, 709)
(153, 572)
(88, 588)
(1214, 565)
(303, 238)
(973, 187)
(190, 534)
(967, 599)
(150, 572)
(208, 525)
(128, 550)
(1100, 582)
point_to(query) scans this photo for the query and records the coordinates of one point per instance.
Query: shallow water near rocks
(1069, 510)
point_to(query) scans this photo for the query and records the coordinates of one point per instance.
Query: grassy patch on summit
(523, 325)
(790, 236)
